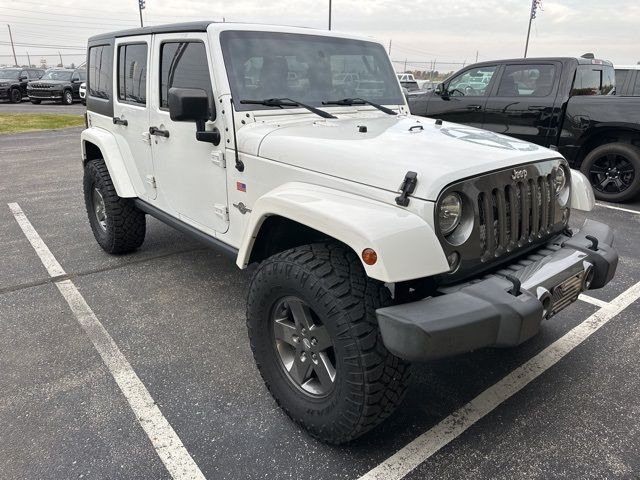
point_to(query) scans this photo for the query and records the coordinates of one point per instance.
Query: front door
(131, 110)
(190, 174)
(524, 103)
(464, 97)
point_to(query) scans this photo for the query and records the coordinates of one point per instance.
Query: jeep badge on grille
(519, 174)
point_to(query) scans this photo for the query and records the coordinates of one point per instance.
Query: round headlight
(449, 213)
(560, 179)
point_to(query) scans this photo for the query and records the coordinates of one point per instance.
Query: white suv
(379, 238)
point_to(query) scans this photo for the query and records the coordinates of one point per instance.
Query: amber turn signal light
(369, 256)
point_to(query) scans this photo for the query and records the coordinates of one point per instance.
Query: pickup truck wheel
(15, 95)
(118, 226)
(67, 97)
(614, 171)
(316, 342)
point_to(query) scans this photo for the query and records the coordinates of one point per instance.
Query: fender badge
(242, 207)
(519, 174)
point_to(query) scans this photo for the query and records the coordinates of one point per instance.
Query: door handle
(120, 121)
(474, 107)
(158, 132)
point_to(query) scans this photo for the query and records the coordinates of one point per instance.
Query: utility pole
(405, 66)
(61, 63)
(15, 60)
(28, 58)
(141, 6)
(329, 14)
(477, 52)
(389, 47)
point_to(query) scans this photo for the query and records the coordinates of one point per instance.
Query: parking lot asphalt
(176, 311)
(45, 107)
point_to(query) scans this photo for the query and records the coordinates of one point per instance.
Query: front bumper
(45, 94)
(505, 308)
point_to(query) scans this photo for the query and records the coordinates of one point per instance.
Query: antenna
(239, 164)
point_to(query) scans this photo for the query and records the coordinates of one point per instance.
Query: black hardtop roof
(199, 26)
(580, 60)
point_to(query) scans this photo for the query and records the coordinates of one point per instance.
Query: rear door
(523, 103)
(191, 175)
(131, 109)
(464, 97)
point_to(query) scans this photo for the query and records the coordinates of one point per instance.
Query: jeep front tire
(316, 342)
(117, 225)
(67, 97)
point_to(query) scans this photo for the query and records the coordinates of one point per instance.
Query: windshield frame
(231, 64)
(16, 70)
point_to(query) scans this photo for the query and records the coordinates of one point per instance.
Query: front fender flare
(406, 245)
(112, 156)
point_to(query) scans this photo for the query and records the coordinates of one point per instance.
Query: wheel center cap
(306, 343)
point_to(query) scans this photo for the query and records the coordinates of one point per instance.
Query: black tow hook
(594, 242)
(515, 290)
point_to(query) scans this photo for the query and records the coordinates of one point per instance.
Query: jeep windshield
(57, 75)
(9, 74)
(309, 68)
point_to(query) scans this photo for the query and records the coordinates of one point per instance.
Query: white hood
(389, 148)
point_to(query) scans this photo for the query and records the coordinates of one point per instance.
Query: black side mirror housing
(24, 78)
(440, 89)
(193, 105)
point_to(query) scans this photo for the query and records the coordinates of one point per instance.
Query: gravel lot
(176, 312)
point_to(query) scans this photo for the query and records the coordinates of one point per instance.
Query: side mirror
(440, 89)
(23, 77)
(193, 105)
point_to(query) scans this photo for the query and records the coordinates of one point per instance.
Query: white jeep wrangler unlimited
(379, 238)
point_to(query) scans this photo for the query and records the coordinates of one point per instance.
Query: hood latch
(406, 188)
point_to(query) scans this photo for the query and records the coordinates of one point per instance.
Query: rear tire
(613, 170)
(15, 96)
(328, 283)
(118, 226)
(67, 97)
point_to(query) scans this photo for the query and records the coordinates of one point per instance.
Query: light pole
(329, 14)
(140, 8)
(535, 4)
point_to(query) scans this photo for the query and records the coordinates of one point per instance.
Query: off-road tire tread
(334, 272)
(126, 227)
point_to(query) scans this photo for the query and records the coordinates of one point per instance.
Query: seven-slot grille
(515, 214)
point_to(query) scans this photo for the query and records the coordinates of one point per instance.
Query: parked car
(379, 238)
(13, 82)
(83, 93)
(568, 104)
(57, 84)
(627, 80)
(408, 81)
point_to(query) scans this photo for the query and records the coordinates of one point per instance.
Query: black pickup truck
(569, 104)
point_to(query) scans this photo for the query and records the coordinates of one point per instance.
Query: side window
(636, 89)
(471, 83)
(23, 74)
(132, 73)
(184, 65)
(75, 77)
(526, 81)
(83, 75)
(99, 71)
(621, 76)
(592, 80)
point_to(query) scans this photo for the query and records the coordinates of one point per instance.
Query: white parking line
(629, 210)
(405, 460)
(163, 437)
(594, 301)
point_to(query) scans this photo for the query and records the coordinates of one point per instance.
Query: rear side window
(621, 76)
(594, 80)
(183, 65)
(132, 73)
(99, 71)
(527, 81)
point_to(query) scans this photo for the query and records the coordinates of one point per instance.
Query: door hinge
(146, 138)
(217, 158)
(222, 211)
(151, 180)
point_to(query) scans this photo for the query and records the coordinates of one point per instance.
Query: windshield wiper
(286, 102)
(360, 101)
